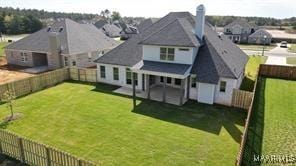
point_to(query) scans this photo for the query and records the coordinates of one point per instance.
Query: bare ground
(9, 73)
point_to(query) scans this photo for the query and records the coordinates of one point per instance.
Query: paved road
(277, 51)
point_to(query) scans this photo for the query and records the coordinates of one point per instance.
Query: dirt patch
(9, 73)
(14, 117)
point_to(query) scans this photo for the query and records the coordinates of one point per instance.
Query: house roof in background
(242, 23)
(261, 33)
(75, 38)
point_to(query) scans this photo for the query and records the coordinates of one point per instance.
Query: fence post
(47, 156)
(79, 162)
(78, 72)
(22, 154)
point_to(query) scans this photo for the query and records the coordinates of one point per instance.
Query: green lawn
(291, 60)
(103, 127)
(251, 71)
(2, 45)
(272, 125)
(256, 47)
(292, 48)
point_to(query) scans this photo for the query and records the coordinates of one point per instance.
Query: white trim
(26, 51)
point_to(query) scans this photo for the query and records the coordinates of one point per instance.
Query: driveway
(276, 60)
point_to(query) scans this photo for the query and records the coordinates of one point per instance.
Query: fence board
(285, 72)
(34, 153)
(241, 99)
(35, 83)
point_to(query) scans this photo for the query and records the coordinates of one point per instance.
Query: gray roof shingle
(75, 39)
(177, 33)
(171, 68)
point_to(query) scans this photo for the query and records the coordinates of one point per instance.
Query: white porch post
(164, 89)
(134, 89)
(148, 85)
(182, 91)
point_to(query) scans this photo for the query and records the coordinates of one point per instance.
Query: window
(183, 49)
(193, 82)
(167, 54)
(128, 74)
(115, 73)
(177, 81)
(169, 80)
(73, 63)
(161, 79)
(66, 61)
(222, 86)
(103, 71)
(24, 57)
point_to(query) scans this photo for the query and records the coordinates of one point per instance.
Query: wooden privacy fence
(33, 153)
(35, 83)
(285, 72)
(83, 74)
(241, 98)
(245, 133)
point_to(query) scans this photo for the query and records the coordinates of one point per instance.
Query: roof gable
(261, 33)
(177, 33)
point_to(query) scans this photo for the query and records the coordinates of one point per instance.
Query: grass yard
(292, 48)
(272, 125)
(98, 125)
(254, 47)
(2, 45)
(291, 60)
(251, 71)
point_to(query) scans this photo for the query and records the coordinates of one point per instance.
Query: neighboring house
(261, 36)
(146, 23)
(127, 30)
(65, 43)
(239, 31)
(179, 57)
(110, 30)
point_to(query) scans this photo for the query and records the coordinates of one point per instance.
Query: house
(64, 43)
(261, 36)
(110, 30)
(127, 30)
(239, 31)
(177, 58)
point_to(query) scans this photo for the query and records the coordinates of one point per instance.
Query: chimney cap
(200, 7)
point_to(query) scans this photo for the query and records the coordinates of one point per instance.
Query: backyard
(96, 124)
(2, 45)
(272, 125)
(251, 71)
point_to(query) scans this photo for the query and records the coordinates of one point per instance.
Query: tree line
(221, 21)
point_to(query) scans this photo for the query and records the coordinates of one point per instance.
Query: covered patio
(165, 82)
(156, 94)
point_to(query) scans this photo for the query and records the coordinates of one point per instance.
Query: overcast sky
(159, 8)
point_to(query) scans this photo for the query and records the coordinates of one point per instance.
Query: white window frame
(66, 61)
(220, 88)
(24, 57)
(167, 54)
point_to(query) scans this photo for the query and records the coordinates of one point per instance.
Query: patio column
(148, 85)
(164, 89)
(182, 90)
(188, 86)
(134, 89)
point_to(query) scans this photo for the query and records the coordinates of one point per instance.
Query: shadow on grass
(208, 118)
(4, 124)
(253, 146)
